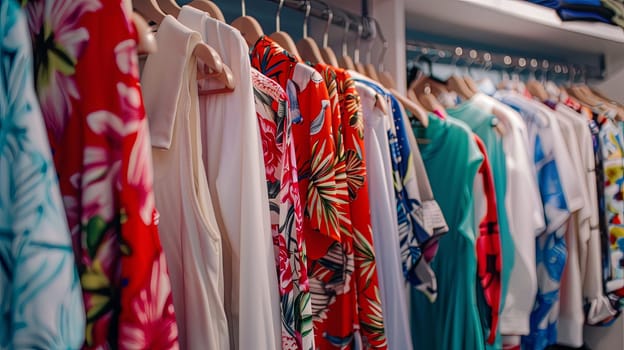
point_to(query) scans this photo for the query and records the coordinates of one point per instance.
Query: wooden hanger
(147, 41)
(345, 61)
(470, 83)
(283, 38)
(457, 84)
(170, 7)
(387, 80)
(307, 47)
(415, 108)
(249, 27)
(537, 89)
(327, 53)
(149, 9)
(216, 69)
(209, 7)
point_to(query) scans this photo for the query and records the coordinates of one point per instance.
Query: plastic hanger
(283, 38)
(307, 46)
(170, 7)
(248, 26)
(345, 61)
(147, 41)
(328, 54)
(216, 69)
(209, 7)
(149, 9)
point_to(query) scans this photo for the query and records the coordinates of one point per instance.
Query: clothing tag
(433, 219)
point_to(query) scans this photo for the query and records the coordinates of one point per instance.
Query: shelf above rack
(520, 25)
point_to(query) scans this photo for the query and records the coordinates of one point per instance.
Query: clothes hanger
(283, 38)
(248, 26)
(369, 67)
(457, 83)
(345, 61)
(147, 41)
(170, 7)
(307, 47)
(216, 69)
(209, 7)
(328, 54)
(359, 67)
(536, 88)
(385, 77)
(149, 9)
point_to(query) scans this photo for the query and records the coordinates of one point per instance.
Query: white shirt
(232, 154)
(526, 218)
(188, 228)
(384, 221)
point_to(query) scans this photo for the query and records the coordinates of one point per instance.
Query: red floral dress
(88, 87)
(315, 153)
(275, 124)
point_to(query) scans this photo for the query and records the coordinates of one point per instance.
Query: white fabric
(571, 317)
(232, 154)
(586, 280)
(526, 218)
(188, 228)
(384, 222)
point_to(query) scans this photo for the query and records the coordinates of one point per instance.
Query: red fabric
(91, 101)
(489, 253)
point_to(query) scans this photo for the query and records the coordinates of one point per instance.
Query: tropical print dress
(370, 311)
(40, 288)
(322, 204)
(87, 80)
(275, 124)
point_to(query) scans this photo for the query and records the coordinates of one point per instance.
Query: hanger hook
(308, 8)
(384, 43)
(243, 8)
(345, 35)
(371, 39)
(277, 15)
(358, 41)
(330, 17)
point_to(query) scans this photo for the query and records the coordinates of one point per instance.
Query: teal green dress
(452, 322)
(483, 124)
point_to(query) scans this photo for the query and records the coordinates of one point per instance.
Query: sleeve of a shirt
(40, 292)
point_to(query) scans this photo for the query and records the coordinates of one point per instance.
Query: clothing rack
(525, 65)
(341, 18)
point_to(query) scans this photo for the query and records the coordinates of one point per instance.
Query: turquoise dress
(483, 124)
(452, 160)
(40, 296)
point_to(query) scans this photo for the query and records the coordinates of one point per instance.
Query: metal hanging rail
(490, 60)
(340, 18)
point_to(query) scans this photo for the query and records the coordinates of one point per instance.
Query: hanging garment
(40, 298)
(187, 224)
(280, 162)
(315, 153)
(343, 311)
(384, 220)
(349, 138)
(452, 160)
(233, 157)
(526, 219)
(560, 196)
(571, 316)
(596, 306)
(91, 102)
(612, 155)
(483, 124)
(488, 245)
(414, 236)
